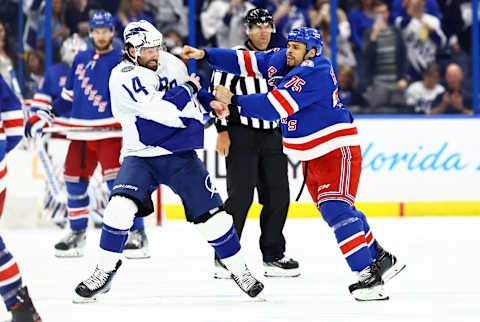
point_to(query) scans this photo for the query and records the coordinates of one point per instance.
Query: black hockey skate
(248, 283)
(369, 286)
(99, 283)
(23, 310)
(71, 245)
(136, 246)
(387, 263)
(283, 267)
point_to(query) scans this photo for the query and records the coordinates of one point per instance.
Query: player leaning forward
(162, 126)
(319, 131)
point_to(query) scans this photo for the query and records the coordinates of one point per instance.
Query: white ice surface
(441, 281)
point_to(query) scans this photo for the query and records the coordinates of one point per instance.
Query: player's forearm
(204, 97)
(257, 106)
(223, 59)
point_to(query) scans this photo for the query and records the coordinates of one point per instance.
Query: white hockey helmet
(70, 47)
(141, 34)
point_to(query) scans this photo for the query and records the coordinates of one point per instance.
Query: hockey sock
(78, 202)
(349, 231)
(222, 236)
(138, 224)
(10, 277)
(117, 220)
(368, 234)
(112, 242)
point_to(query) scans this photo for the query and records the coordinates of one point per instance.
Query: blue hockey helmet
(311, 37)
(101, 19)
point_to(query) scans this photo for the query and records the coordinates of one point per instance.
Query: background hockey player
(255, 159)
(85, 99)
(14, 296)
(318, 130)
(50, 88)
(162, 125)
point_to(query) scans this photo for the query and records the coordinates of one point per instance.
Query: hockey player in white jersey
(161, 122)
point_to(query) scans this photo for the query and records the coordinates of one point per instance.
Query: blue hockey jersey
(304, 98)
(50, 88)
(85, 98)
(11, 126)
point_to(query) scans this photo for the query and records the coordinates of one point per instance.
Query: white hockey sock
(107, 260)
(236, 263)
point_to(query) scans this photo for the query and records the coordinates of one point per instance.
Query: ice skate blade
(136, 253)
(393, 271)
(77, 299)
(274, 272)
(222, 274)
(376, 293)
(71, 253)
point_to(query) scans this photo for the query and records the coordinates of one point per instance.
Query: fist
(37, 122)
(221, 109)
(195, 80)
(192, 52)
(223, 95)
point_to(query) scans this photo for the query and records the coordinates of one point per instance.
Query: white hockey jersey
(158, 117)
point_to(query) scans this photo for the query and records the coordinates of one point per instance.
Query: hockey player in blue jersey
(318, 130)
(15, 296)
(85, 101)
(162, 124)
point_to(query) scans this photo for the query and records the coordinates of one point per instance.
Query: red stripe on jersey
(248, 63)
(38, 100)
(2, 130)
(311, 144)
(283, 101)
(9, 272)
(13, 123)
(3, 173)
(369, 237)
(76, 213)
(352, 244)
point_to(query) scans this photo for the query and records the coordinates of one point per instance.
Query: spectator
(384, 61)
(399, 8)
(423, 37)
(174, 44)
(169, 14)
(224, 20)
(361, 18)
(423, 95)
(35, 61)
(287, 14)
(347, 90)
(320, 19)
(77, 15)
(60, 31)
(130, 10)
(7, 59)
(457, 99)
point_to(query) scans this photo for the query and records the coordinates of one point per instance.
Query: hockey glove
(37, 122)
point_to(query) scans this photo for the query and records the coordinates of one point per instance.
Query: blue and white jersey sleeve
(241, 62)
(62, 105)
(11, 117)
(301, 88)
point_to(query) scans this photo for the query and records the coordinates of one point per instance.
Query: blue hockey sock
(113, 239)
(78, 205)
(368, 234)
(227, 245)
(138, 223)
(10, 277)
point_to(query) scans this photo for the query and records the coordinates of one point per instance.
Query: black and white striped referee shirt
(242, 86)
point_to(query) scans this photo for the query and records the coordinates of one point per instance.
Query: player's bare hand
(223, 143)
(223, 95)
(221, 109)
(196, 80)
(192, 52)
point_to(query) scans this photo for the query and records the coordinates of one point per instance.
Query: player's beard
(151, 64)
(105, 47)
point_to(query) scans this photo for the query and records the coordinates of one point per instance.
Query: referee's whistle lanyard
(305, 174)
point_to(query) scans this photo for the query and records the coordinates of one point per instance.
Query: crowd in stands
(393, 56)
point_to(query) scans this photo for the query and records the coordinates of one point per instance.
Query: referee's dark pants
(256, 159)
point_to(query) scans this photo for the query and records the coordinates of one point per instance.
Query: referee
(255, 159)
